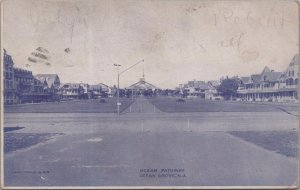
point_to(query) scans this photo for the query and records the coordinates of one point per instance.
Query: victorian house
(271, 86)
(8, 76)
(70, 91)
(201, 89)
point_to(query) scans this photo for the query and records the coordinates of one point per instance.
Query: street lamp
(119, 74)
(118, 93)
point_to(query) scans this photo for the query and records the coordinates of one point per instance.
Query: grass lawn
(282, 142)
(15, 141)
(169, 104)
(79, 106)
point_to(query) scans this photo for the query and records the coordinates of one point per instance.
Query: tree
(80, 92)
(128, 93)
(228, 88)
(148, 93)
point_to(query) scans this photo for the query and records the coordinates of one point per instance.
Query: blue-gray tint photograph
(150, 94)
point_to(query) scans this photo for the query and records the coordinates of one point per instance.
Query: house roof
(245, 80)
(256, 78)
(200, 84)
(97, 86)
(195, 84)
(271, 76)
(38, 82)
(266, 70)
(7, 58)
(142, 85)
(49, 78)
(295, 60)
(292, 68)
(204, 86)
(214, 83)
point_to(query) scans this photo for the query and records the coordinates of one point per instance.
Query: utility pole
(118, 90)
(118, 100)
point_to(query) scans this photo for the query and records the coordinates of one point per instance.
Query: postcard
(135, 94)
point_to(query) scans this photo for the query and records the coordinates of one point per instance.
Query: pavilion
(141, 86)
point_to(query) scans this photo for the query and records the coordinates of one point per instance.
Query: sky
(178, 40)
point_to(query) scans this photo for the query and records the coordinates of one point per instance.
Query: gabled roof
(200, 84)
(38, 82)
(266, 70)
(49, 78)
(195, 84)
(98, 86)
(245, 80)
(292, 68)
(214, 83)
(295, 60)
(142, 85)
(7, 58)
(271, 76)
(256, 78)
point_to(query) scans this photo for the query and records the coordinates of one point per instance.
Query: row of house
(271, 86)
(21, 86)
(201, 89)
(267, 86)
(83, 91)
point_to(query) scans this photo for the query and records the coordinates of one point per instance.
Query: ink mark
(39, 55)
(32, 60)
(234, 41)
(67, 50)
(249, 55)
(195, 8)
(43, 50)
(202, 47)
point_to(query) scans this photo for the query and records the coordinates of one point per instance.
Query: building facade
(142, 87)
(8, 76)
(99, 90)
(198, 89)
(271, 86)
(70, 91)
(52, 81)
(51, 84)
(24, 85)
(20, 86)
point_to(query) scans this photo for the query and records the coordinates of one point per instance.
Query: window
(289, 82)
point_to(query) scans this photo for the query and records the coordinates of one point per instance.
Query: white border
(122, 187)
